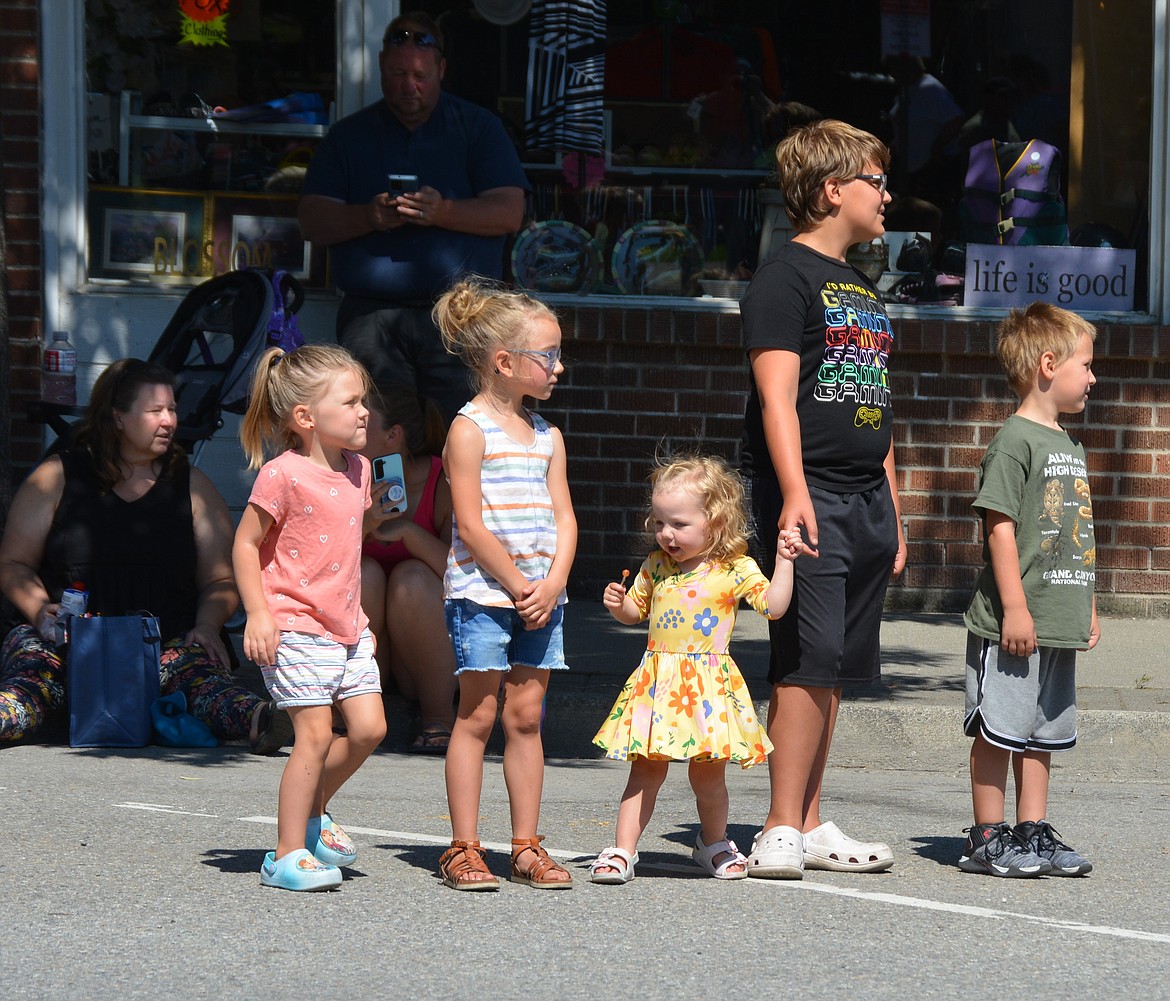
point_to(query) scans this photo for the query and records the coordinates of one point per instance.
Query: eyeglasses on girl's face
(421, 39)
(547, 359)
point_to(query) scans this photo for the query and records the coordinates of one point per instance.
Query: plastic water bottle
(74, 601)
(59, 379)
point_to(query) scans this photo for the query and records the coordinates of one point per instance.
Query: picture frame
(148, 235)
(261, 230)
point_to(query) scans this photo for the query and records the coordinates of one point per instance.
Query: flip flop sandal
(705, 856)
(460, 860)
(535, 876)
(825, 847)
(431, 740)
(273, 729)
(619, 860)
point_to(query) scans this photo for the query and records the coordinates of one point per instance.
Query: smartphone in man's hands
(401, 184)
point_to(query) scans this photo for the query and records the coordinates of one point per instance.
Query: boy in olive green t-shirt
(1033, 605)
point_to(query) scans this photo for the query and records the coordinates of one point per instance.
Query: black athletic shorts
(829, 638)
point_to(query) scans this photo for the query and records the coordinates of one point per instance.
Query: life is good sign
(1086, 278)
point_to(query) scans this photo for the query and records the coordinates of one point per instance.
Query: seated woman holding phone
(405, 555)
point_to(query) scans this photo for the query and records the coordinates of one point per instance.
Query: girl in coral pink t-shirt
(297, 559)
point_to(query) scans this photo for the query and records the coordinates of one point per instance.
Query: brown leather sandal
(535, 876)
(460, 860)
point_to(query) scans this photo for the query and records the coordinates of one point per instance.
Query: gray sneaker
(995, 850)
(1044, 840)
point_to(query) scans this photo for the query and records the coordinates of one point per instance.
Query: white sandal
(617, 859)
(825, 847)
(705, 856)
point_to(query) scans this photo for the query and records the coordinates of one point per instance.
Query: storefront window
(1020, 132)
(202, 115)
(1014, 126)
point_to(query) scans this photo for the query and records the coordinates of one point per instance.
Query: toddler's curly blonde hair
(718, 491)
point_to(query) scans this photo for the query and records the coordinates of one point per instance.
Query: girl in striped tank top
(512, 543)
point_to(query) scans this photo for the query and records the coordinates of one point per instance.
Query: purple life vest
(1012, 195)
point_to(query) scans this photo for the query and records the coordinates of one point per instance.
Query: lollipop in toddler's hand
(615, 592)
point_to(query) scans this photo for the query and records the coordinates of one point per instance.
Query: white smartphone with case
(389, 475)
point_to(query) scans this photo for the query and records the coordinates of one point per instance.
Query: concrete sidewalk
(915, 719)
(922, 659)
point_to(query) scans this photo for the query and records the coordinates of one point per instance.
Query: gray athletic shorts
(1021, 703)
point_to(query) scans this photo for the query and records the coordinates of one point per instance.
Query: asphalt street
(134, 874)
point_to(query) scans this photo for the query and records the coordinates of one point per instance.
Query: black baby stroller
(211, 345)
(214, 339)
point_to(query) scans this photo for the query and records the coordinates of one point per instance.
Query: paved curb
(1111, 744)
(914, 723)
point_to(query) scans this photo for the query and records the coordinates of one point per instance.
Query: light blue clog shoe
(299, 870)
(327, 840)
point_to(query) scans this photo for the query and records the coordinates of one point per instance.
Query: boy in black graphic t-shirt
(818, 432)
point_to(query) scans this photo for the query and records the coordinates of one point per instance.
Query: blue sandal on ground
(327, 840)
(298, 870)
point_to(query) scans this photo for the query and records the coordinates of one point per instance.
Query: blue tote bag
(112, 679)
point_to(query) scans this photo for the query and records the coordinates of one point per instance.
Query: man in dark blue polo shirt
(394, 251)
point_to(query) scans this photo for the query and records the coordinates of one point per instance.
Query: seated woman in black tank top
(123, 512)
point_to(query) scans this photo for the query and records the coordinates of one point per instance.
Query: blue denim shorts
(487, 638)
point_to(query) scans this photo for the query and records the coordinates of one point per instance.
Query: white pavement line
(163, 808)
(896, 899)
(978, 912)
(427, 839)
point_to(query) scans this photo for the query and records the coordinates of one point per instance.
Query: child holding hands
(687, 700)
(819, 433)
(512, 544)
(297, 557)
(1034, 604)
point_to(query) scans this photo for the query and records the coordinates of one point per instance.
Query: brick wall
(639, 377)
(20, 147)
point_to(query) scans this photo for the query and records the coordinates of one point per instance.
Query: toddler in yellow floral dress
(687, 700)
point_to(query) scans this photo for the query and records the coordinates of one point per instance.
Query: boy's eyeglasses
(421, 39)
(547, 359)
(879, 181)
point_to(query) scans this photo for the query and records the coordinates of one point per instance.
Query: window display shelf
(661, 169)
(130, 124)
(639, 170)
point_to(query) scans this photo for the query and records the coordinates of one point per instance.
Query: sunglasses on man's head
(421, 39)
